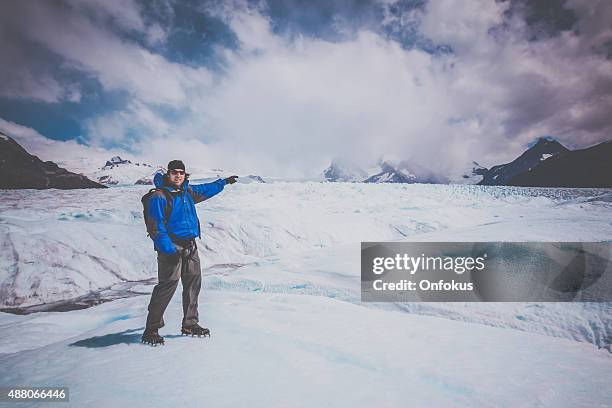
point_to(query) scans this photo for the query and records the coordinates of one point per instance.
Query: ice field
(281, 294)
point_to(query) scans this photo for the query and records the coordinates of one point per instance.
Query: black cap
(176, 164)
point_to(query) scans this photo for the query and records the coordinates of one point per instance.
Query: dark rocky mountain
(19, 169)
(547, 163)
(544, 149)
(590, 167)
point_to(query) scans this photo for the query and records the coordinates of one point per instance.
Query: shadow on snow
(131, 336)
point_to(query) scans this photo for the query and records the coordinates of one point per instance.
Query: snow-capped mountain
(116, 161)
(19, 169)
(385, 171)
(547, 163)
(118, 171)
(390, 174)
(542, 150)
(590, 167)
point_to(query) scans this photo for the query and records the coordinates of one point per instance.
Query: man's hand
(175, 257)
(231, 179)
(172, 258)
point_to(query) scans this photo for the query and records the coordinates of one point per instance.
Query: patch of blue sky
(339, 21)
(328, 20)
(193, 35)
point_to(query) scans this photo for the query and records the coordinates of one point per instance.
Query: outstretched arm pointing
(231, 179)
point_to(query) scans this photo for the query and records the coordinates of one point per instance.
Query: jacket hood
(158, 181)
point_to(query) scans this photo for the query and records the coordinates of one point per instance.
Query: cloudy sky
(283, 87)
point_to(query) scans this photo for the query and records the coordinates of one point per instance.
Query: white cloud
(21, 79)
(89, 45)
(463, 25)
(288, 106)
(253, 30)
(291, 107)
(593, 22)
(136, 119)
(29, 86)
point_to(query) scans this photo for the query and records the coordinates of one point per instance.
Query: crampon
(195, 330)
(152, 337)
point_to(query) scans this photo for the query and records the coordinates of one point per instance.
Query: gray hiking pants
(186, 266)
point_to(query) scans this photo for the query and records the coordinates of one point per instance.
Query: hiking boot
(152, 337)
(195, 330)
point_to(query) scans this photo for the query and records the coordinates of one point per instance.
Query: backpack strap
(169, 201)
(169, 204)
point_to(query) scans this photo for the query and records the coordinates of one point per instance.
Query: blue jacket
(182, 224)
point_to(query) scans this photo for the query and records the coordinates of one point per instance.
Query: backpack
(145, 206)
(169, 202)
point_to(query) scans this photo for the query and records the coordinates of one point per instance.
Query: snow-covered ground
(281, 294)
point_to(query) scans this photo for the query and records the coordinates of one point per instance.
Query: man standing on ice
(172, 223)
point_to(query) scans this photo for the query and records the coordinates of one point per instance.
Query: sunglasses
(179, 172)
